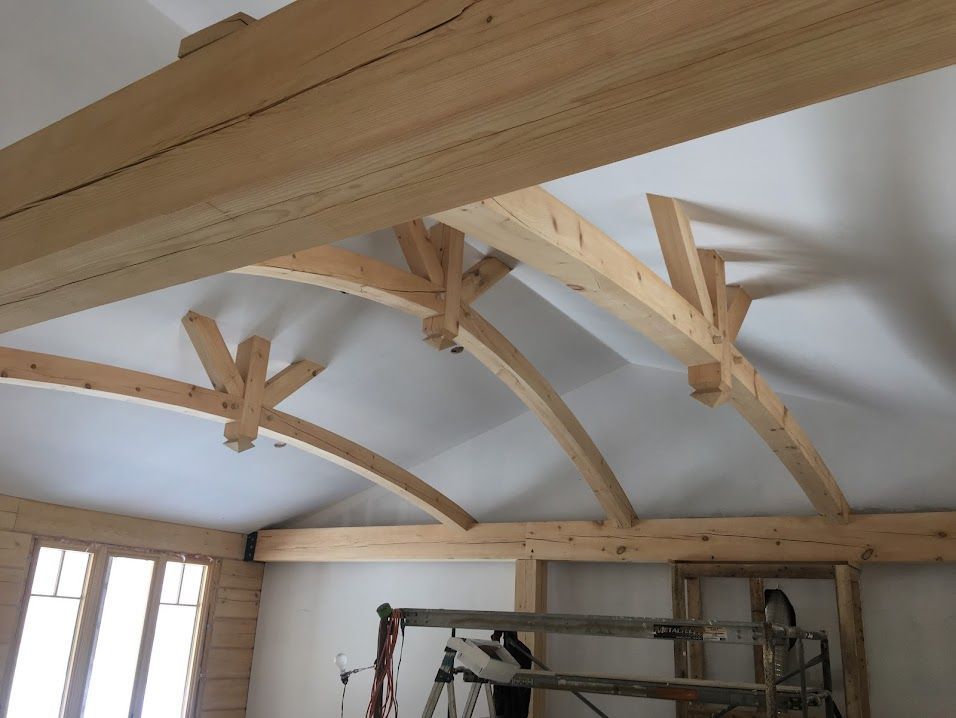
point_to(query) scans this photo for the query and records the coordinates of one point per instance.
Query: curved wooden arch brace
(49, 371)
(537, 229)
(337, 268)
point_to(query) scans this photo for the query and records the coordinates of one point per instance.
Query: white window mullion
(146, 644)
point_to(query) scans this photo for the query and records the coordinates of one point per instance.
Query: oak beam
(738, 302)
(289, 380)
(216, 31)
(355, 274)
(482, 276)
(535, 228)
(48, 371)
(852, 645)
(299, 130)
(866, 539)
(216, 359)
(531, 596)
(252, 361)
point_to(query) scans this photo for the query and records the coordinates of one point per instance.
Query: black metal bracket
(250, 552)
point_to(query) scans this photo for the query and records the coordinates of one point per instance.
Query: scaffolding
(771, 696)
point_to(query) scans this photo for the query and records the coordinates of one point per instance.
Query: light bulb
(342, 661)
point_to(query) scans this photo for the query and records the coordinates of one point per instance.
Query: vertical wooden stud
(850, 611)
(531, 595)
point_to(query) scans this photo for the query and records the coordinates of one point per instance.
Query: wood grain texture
(361, 276)
(289, 380)
(867, 538)
(535, 228)
(680, 252)
(299, 130)
(62, 373)
(852, 644)
(216, 31)
(531, 595)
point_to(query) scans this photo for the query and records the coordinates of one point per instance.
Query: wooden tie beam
(301, 128)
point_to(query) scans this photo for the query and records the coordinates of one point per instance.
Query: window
(108, 634)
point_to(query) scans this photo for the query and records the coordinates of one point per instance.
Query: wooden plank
(252, 360)
(531, 596)
(303, 128)
(713, 382)
(290, 380)
(233, 633)
(224, 693)
(758, 570)
(482, 276)
(420, 254)
(207, 340)
(695, 609)
(758, 614)
(216, 31)
(738, 302)
(229, 662)
(867, 538)
(852, 645)
(680, 252)
(65, 374)
(537, 229)
(15, 549)
(679, 610)
(55, 521)
(362, 276)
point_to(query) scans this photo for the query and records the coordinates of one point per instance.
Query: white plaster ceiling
(839, 216)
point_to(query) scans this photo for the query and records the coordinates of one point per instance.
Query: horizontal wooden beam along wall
(756, 570)
(867, 538)
(535, 228)
(283, 135)
(346, 271)
(48, 371)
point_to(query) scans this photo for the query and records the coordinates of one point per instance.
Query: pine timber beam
(535, 228)
(345, 271)
(441, 330)
(252, 361)
(482, 276)
(47, 371)
(298, 130)
(866, 539)
(290, 380)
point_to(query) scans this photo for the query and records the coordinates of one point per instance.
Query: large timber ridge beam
(868, 538)
(285, 135)
(345, 271)
(535, 228)
(65, 374)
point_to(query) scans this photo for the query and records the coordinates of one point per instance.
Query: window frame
(88, 622)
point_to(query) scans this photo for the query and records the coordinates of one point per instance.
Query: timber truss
(696, 320)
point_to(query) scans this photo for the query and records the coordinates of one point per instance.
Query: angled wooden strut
(436, 255)
(345, 271)
(65, 374)
(535, 228)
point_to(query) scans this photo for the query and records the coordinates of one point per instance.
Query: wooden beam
(344, 271)
(441, 331)
(47, 371)
(482, 276)
(738, 302)
(535, 228)
(758, 570)
(531, 595)
(758, 614)
(299, 130)
(290, 380)
(207, 340)
(679, 611)
(713, 382)
(867, 538)
(695, 609)
(680, 252)
(216, 31)
(852, 646)
(252, 360)
(420, 254)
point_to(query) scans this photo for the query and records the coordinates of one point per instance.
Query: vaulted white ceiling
(839, 217)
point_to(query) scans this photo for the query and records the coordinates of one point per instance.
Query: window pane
(169, 662)
(43, 657)
(73, 574)
(192, 583)
(171, 581)
(46, 571)
(118, 639)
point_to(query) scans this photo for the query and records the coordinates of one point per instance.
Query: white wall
(675, 458)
